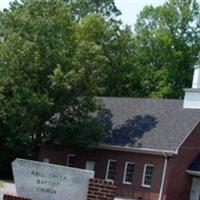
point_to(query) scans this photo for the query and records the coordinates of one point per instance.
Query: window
(46, 160)
(128, 173)
(71, 160)
(111, 167)
(147, 175)
(90, 165)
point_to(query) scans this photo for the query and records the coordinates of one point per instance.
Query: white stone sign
(43, 181)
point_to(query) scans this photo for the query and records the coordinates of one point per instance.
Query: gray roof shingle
(159, 124)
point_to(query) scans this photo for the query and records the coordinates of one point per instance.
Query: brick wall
(101, 190)
(58, 155)
(178, 181)
(11, 197)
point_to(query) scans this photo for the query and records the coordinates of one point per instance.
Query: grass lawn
(1, 183)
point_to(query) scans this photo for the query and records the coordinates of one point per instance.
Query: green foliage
(56, 56)
(46, 68)
(82, 8)
(120, 76)
(167, 43)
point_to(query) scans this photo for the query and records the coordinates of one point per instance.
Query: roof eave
(137, 150)
(193, 173)
(191, 89)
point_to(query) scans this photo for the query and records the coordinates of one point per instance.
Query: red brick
(177, 183)
(12, 197)
(93, 189)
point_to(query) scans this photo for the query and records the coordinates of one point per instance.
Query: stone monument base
(98, 189)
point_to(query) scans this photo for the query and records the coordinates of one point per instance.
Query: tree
(82, 8)
(49, 77)
(167, 43)
(120, 76)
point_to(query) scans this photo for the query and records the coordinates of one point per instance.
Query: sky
(129, 8)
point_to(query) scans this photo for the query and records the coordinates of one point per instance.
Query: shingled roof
(158, 124)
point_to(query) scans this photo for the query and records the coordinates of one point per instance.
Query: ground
(6, 187)
(1, 183)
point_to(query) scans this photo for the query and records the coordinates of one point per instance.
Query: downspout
(163, 177)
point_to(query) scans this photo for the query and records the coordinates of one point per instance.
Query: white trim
(185, 138)
(191, 89)
(107, 169)
(136, 150)
(163, 178)
(125, 172)
(68, 157)
(143, 176)
(193, 173)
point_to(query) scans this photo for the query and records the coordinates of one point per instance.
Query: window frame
(144, 175)
(68, 158)
(107, 169)
(125, 172)
(91, 161)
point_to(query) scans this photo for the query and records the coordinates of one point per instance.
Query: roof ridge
(144, 98)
